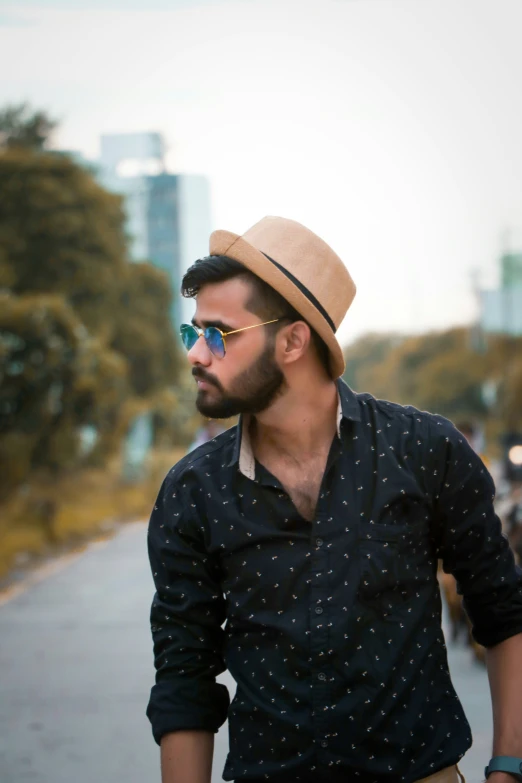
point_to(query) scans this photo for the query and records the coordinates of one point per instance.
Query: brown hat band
(304, 290)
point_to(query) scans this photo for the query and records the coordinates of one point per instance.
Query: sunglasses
(214, 337)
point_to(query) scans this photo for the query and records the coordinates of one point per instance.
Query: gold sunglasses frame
(201, 333)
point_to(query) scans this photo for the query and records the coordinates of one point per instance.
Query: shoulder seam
(188, 460)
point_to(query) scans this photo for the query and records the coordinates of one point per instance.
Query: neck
(300, 423)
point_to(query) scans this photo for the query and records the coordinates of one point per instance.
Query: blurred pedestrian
(313, 529)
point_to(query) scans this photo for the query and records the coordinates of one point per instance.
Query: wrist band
(509, 764)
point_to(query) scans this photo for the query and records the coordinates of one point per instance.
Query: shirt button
(318, 609)
(319, 541)
(321, 676)
(324, 744)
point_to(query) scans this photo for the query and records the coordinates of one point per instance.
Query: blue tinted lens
(215, 341)
(188, 335)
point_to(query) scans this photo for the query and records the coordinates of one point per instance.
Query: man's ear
(294, 341)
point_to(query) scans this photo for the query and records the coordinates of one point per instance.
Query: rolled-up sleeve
(187, 614)
(471, 543)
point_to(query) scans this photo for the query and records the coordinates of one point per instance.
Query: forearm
(186, 757)
(504, 662)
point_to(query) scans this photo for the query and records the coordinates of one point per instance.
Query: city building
(501, 308)
(168, 215)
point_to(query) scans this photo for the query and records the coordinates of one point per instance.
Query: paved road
(76, 669)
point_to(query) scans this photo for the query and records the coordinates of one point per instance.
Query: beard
(253, 391)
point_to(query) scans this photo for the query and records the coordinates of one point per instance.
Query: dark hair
(264, 301)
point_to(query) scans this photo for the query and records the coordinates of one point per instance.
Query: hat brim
(226, 243)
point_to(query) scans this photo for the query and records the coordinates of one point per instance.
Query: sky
(392, 128)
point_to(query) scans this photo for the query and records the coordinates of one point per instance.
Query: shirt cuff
(187, 706)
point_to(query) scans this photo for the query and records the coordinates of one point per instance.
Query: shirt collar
(243, 456)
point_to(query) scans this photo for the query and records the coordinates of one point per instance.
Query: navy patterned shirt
(331, 628)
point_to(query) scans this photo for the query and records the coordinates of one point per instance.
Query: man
(313, 529)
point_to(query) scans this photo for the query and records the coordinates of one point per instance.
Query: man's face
(247, 379)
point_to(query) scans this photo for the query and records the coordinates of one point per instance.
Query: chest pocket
(396, 561)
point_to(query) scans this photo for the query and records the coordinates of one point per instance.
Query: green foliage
(83, 331)
(440, 372)
(143, 331)
(54, 380)
(364, 353)
(21, 127)
(60, 232)
(39, 338)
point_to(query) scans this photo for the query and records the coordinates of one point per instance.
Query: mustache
(201, 375)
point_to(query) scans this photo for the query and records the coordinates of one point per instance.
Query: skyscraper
(501, 309)
(168, 215)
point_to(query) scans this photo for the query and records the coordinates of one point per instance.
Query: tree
(364, 353)
(21, 127)
(83, 331)
(143, 331)
(61, 232)
(440, 372)
(54, 380)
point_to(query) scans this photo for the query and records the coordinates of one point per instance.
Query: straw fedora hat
(301, 267)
